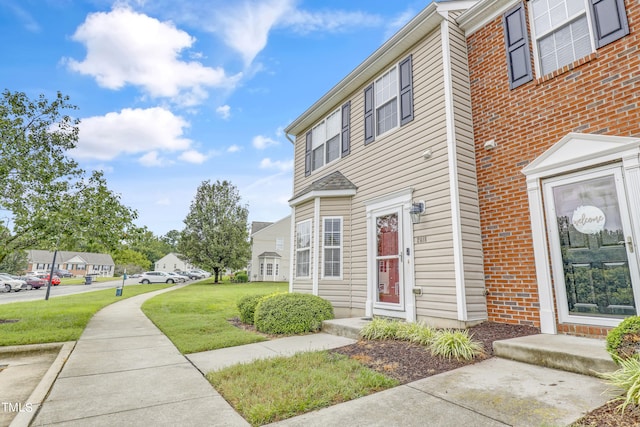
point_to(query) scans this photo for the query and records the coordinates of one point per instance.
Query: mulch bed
(407, 362)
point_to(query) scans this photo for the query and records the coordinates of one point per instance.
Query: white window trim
(323, 122)
(324, 277)
(298, 250)
(376, 106)
(535, 37)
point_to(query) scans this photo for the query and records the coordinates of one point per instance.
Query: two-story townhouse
(385, 217)
(556, 117)
(270, 249)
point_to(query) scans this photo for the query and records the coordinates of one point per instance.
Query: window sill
(567, 68)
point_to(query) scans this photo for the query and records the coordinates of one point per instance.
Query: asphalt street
(60, 290)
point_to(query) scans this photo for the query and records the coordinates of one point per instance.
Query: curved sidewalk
(124, 371)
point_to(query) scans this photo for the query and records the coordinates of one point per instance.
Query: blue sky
(175, 92)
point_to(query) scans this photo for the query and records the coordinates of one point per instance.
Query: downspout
(293, 224)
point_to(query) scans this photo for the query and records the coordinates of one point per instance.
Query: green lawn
(271, 390)
(57, 319)
(196, 317)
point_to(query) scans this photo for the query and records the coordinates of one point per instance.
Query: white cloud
(261, 142)
(234, 149)
(131, 131)
(151, 159)
(245, 28)
(193, 156)
(224, 111)
(283, 166)
(125, 47)
(304, 22)
(395, 24)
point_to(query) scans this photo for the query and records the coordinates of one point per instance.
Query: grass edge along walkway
(196, 317)
(59, 319)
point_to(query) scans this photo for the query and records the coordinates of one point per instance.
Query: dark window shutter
(346, 128)
(517, 41)
(609, 21)
(369, 128)
(406, 91)
(307, 155)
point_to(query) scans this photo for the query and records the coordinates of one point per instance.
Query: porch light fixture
(415, 211)
(491, 144)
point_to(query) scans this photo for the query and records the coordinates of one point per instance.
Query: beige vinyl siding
(467, 183)
(303, 212)
(394, 162)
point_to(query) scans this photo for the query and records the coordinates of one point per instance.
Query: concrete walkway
(124, 371)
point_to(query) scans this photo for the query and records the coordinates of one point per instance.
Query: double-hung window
(562, 34)
(269, 269)
(332, 245)
(563, 31)
(303, 248)
(328, 140)
(388, 101)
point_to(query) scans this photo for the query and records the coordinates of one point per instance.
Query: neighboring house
(172, 262)
(556, 108)
(394, 137)
(78, 263)
(270, 251)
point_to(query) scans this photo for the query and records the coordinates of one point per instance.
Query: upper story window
(279, 243)
(328, 140)
(388, 101)
(563, 31)
(325, 141)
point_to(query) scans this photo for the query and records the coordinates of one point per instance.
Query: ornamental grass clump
(627, 378)
(417, 333)
(380, 329)
(456, 344)
(291, 313)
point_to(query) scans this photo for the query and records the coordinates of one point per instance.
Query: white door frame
(575, 152)
(564, 316)
(398, 202)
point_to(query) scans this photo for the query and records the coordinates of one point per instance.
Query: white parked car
(8, 283)
(178, 277)
(157, 277)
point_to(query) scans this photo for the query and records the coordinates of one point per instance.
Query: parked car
(10, 284)
(63, 273)
(184, 274)
(196, 274)
(156, 277)
(34, 282)
(55, 281)
(177, 277)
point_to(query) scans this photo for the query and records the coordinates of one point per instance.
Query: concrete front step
(349, 327)
(585, 356)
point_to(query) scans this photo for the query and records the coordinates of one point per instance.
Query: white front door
(592, 251)
(390, 274)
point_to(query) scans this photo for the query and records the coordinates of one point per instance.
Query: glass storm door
(594, 263)
(388, 259)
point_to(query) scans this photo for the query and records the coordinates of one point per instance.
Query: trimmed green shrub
(247, 307)
(623, 341)
(455, 344)
(626, 378)
(291, 313)
(241, 277)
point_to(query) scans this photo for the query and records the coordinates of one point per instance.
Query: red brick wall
(599, 94)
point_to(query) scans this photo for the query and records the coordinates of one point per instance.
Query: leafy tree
(131, 261)
(151, 246)
(216, 233)
(15, 262)
(47, 199)
(172, 238)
